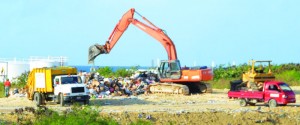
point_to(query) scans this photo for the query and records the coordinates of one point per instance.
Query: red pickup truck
(274, 93)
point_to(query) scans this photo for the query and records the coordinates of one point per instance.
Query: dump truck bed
(246, 94)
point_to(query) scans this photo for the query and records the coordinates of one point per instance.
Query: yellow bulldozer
(258, 72)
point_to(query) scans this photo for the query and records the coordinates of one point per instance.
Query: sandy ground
(209, 108)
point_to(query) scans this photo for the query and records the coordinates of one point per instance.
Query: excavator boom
(121, 27)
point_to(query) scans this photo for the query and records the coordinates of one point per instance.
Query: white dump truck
(59, 84)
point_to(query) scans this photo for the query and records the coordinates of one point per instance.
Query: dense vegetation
(289, 73)
(122, 72)
(21, 81)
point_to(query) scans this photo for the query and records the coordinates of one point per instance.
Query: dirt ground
(214, 108)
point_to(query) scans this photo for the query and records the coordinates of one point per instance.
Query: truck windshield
(285, 87)
(70, 80)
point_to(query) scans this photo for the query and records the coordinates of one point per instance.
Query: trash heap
(138, 83)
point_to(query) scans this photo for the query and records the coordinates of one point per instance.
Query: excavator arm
(172, 78)
(121, 27)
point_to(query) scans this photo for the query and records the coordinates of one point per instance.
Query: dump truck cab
(71, 88)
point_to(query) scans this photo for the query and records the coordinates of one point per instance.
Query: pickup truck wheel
(272, 103)
(62, 101)
(37, 98)
(243, 102)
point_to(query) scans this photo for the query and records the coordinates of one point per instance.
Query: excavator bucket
(94, 51)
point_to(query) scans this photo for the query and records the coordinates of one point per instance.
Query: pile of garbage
(18, 92)
(138, 83)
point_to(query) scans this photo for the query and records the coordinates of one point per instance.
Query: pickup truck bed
(246, 94)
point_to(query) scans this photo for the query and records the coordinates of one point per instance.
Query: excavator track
(205, 88)
(199, 87)
(170, 88)
(173, 88)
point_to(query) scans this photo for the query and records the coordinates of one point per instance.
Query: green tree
(21, 80)
(122, 72)
(105, 71)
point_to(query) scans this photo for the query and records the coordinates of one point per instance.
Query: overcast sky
(204, 31)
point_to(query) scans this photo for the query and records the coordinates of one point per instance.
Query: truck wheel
(272, 103)
(43, 98)
(252, 104)
(61, 99)
(86, 102)
(202, 88)
(243, 102)
(57, 99)
(37, 98)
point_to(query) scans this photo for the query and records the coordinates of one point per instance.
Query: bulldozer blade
(94, 51)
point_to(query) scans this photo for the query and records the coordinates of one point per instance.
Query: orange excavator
(173, 78)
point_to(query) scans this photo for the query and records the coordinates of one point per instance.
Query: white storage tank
(40, 62)
(12, 69)
(15, 69)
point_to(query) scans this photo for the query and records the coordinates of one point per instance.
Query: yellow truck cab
(59, 84)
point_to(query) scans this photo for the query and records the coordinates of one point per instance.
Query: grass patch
(2, 90)
(76, 115)
(278, 116)
(221, 83)
(292, 77)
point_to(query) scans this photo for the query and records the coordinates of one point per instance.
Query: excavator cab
(169, 69)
